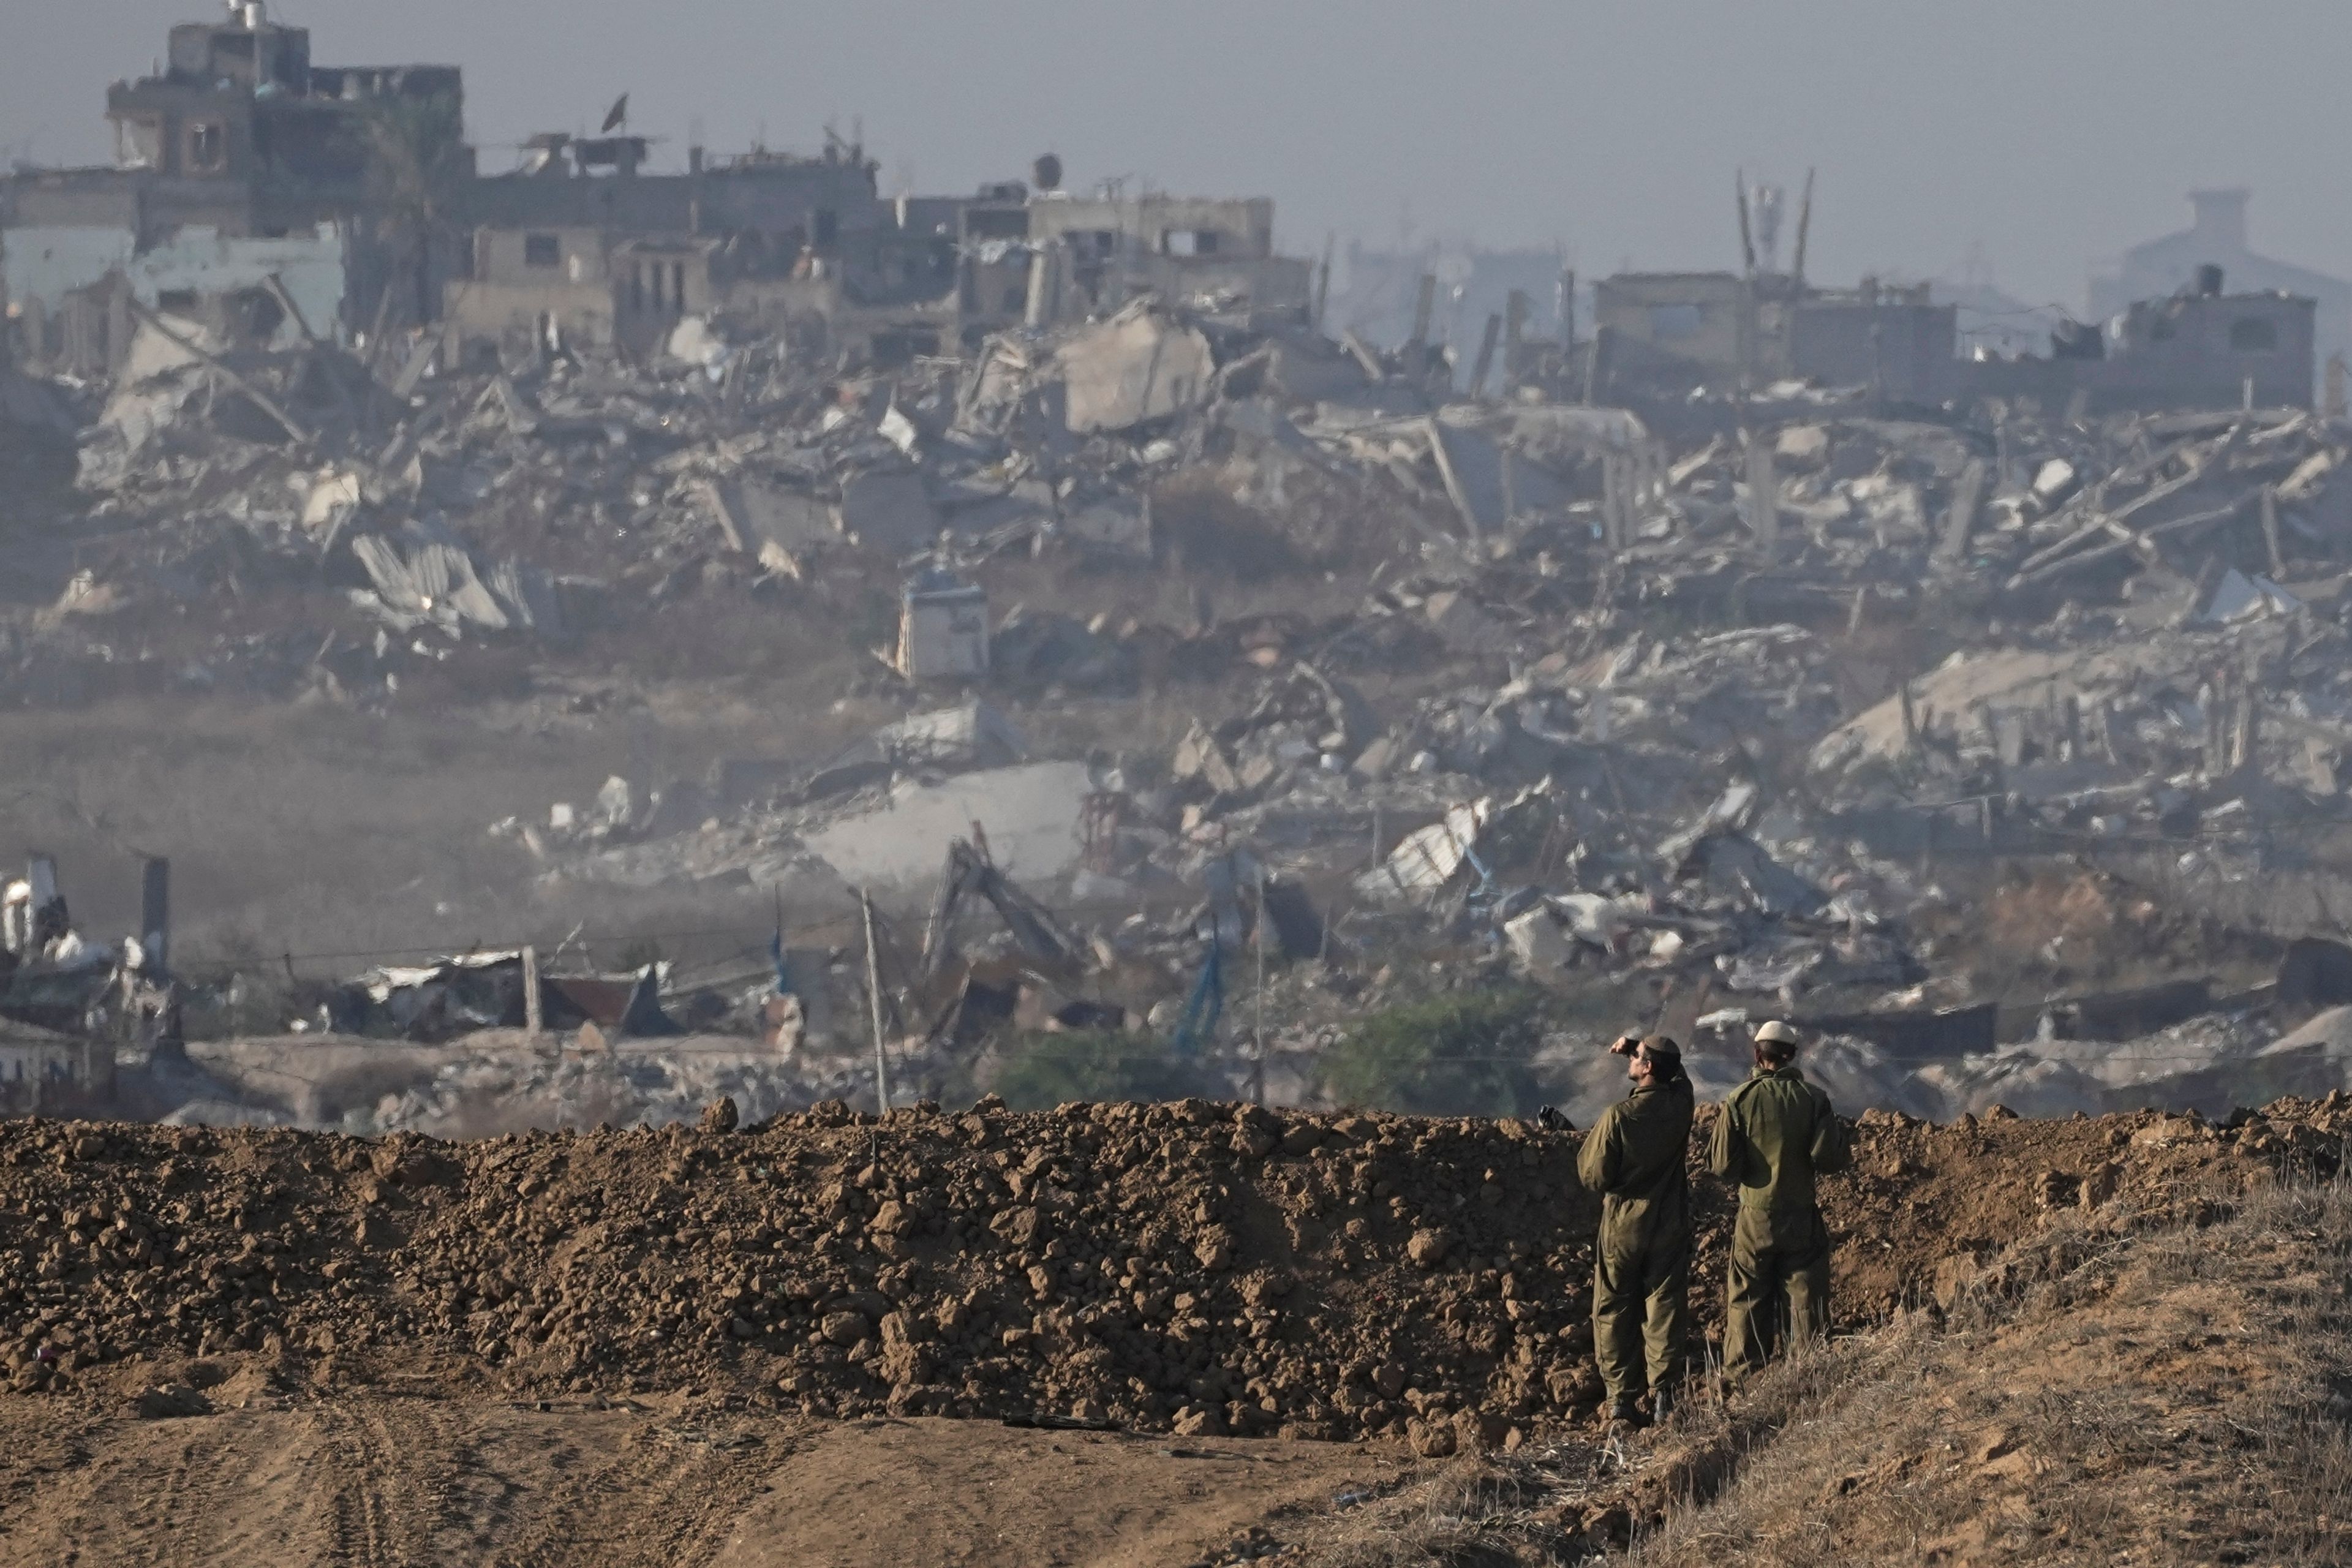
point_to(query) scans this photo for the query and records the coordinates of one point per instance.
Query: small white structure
(942, 629)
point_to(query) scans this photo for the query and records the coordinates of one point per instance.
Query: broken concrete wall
(1268, 285)
(513, 315)
(1164, 226)
(1140, 365)
(1705, 318)
(53, 278)
(1030, 813)
(943, 632)
(147, 394)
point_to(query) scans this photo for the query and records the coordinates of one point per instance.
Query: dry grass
(1474, 1513)
(2158, 1389)
(2103, 1392)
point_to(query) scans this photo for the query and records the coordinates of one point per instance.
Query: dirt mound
(1205, 1268)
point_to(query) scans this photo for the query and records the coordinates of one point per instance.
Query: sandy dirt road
(382, 1478)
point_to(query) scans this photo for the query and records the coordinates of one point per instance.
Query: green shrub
(1464, 1054)
(1039, 1071)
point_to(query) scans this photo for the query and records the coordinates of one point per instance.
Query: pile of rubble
(567, 497)
(1189, 1267)
(1709, 708)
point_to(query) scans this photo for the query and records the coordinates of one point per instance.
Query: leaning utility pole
(874, 997)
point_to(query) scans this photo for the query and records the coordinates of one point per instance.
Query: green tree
(1464, 1054)
(1042, 1070)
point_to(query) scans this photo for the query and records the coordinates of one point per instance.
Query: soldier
(1633, 1157)
(1774, 1135)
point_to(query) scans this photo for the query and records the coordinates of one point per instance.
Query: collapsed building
(68, 1002)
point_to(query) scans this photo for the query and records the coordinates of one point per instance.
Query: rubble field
(1204, 1269)
(1992, 736)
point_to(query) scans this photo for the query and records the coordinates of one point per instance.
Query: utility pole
(873, 996)
(1258, 1068)
(532, 1018)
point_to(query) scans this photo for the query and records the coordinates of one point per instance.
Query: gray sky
(2034, 137)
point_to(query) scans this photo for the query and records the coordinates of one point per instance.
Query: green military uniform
(1775, 1132)
(1633, 1158)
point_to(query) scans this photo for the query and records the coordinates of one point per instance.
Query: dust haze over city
(1419, 778)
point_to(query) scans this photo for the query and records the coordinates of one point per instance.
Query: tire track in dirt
(669, 1498)
(236, 1487)
(393, 1465)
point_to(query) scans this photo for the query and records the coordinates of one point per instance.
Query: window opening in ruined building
(541, 250)
(2253, 335)
(255, 314)
(827, 226)
(139, 143)
(986, 223)
(207, 145)
(1671, 322)
(176, 302)
(1189, 242)
(678, 285)
(637, 289)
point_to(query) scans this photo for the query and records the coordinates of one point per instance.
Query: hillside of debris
(1194, 1266)
(1986, 738)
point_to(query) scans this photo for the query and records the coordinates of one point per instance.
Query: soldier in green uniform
(1775, 1133)
(1633, 1157)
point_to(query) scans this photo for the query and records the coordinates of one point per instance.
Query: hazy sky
(2030, 137)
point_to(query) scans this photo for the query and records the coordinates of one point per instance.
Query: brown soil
(431, 1476)
(403, 1306)
(1208, 1266)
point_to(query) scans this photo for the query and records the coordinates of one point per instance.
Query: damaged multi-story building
(1726, 328)
(2193, 345)
(581, 246)
(2217, 237)
(265, 199)
(2200, 347)
(253, 193)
